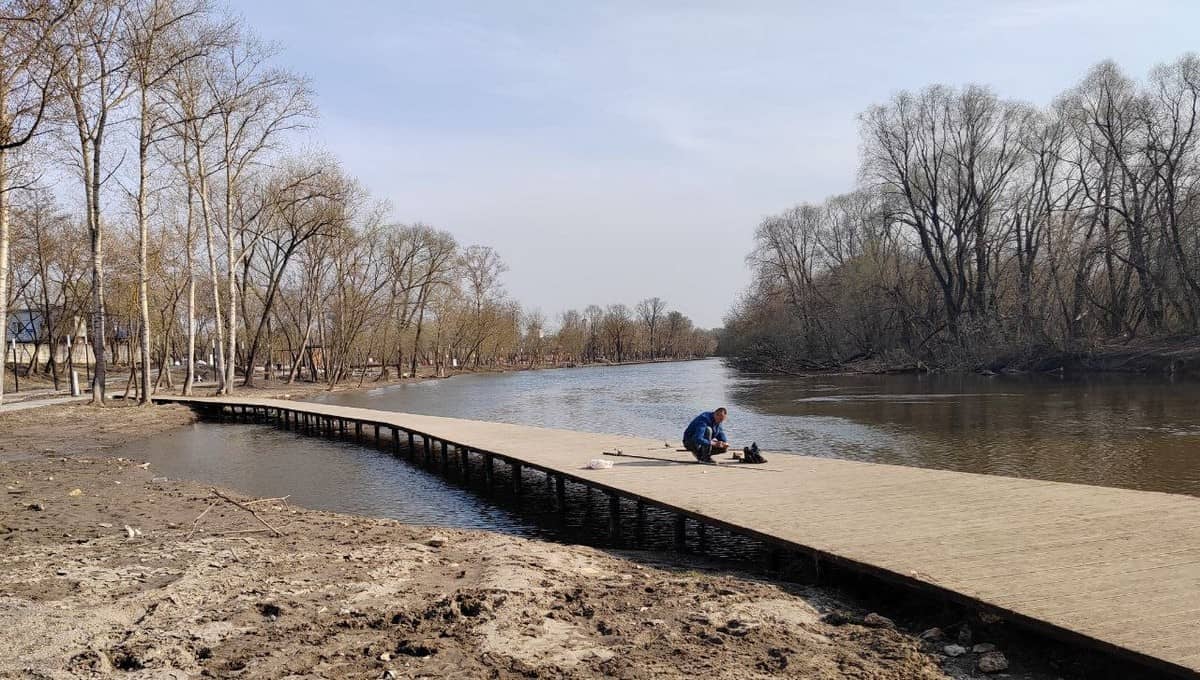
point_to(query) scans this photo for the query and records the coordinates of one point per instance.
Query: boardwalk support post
(614, 518)
(560, 494)
(412, 446)
(680, 533)
(639, 523)
(465, 460)
(516, 479)
(358, 432)
(445, 458)
(376, 435)
(395, 440)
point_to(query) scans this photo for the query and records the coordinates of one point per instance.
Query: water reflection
(340, 476)
(317, 473)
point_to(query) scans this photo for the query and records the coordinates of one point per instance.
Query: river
(1135, 432)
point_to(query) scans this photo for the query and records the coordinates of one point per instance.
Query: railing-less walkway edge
(1111, 568)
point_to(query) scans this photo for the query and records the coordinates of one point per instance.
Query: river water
(1125, 431)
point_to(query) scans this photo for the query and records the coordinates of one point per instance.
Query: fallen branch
(196, 522)
(281, 499)
(250, 510)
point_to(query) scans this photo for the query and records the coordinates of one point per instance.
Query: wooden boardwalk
(1115, 569)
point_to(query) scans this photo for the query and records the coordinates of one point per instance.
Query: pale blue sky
(614, 151)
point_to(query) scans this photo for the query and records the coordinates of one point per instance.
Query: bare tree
(650, 313)
(255, 105)
(162, 36)
(93, 73)
(27, 60)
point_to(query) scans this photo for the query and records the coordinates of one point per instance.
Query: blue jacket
(695, 430)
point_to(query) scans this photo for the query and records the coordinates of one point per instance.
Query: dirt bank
(343, 596)
(110, 569)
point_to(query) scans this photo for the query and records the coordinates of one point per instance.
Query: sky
(613, 151)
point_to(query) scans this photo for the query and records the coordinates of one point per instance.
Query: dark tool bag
(750, 454)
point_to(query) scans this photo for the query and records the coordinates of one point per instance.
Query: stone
(385, 657)
(983, 648)
(964, 635)
(36, 506)
(436, 541)
(932, 634)
(835, 618)
(993, 662)
(739, 628)
(75, 492)
(874, 620)
(954, 650)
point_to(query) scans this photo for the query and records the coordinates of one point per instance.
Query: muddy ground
(108, 569)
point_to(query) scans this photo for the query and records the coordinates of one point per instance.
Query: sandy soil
(201, 586)
(107, 568)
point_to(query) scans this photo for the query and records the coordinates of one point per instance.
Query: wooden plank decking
(1114, 568)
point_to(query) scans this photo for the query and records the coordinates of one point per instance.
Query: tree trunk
(3, 251)
(99, 351)
(214, 278)
(143, 257)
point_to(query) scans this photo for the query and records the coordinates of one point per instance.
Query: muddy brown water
(1126, 431)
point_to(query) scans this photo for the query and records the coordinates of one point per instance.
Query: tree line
(987, 232)
(154, 185)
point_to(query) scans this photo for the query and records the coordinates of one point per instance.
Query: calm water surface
(1126, 431)
(1133, 432)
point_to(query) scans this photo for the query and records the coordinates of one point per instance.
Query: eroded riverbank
(202, 587)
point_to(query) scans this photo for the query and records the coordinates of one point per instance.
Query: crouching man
(705, 436)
